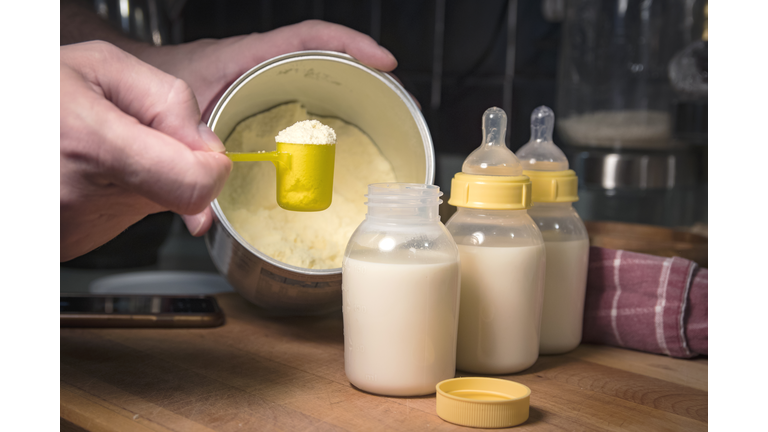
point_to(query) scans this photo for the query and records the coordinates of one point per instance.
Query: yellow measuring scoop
(304, 173)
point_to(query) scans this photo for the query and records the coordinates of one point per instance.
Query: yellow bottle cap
(483, 402)
(490, 192)
(553, 186)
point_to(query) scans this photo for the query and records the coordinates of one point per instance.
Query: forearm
(79, 23)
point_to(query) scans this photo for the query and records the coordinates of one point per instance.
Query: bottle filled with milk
(400, 293)
(554, 188)
(502, 258)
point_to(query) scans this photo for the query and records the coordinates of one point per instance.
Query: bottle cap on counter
(483, 402)
(545, 163)
(492, 177)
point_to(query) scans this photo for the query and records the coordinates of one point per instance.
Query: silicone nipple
(541, 153)
(493, 157)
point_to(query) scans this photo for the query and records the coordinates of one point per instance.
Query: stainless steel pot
(327, 84)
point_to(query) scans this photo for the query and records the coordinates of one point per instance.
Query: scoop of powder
(307, 132)
(314, 240)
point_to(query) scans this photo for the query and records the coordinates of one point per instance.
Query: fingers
(163, 169)
(156, 99)
(109, 147)
(199, 224)
(321, 35)
(131, 143)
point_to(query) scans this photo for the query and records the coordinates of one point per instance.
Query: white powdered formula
(400, 325)
(565, 285)
(502, 290)
(307, 132)
(313, 240)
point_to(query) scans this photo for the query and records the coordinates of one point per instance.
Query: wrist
(150, 54)
(138, 49)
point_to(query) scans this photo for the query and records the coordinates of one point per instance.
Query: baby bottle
(567, 244)
(502, 258)
(400, 293)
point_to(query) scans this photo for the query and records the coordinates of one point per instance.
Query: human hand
(209, 66)
(131, 144)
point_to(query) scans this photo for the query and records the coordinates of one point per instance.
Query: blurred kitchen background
(627, 80)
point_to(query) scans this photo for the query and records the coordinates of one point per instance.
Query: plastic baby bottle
(554, 189)
(502, 258)
(400, 293)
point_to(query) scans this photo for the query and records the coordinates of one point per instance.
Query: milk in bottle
(502, 258)
(554, 188)
(400, 293)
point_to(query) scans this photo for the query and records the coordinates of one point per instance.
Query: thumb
(159, 154)
(159, 167)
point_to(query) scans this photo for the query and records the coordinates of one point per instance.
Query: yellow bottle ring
(554, 186)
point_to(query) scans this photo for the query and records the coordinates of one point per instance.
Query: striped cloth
(645, 302)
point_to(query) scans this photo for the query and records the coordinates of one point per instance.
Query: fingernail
(201, 221)
(388, 52)
(194, 223)
(210, 138)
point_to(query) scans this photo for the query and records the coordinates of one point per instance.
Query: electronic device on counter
(82, 310)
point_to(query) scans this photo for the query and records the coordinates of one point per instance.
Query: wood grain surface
(649, 239)
(270, 373)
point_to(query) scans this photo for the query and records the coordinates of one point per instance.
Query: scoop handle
(253, 156)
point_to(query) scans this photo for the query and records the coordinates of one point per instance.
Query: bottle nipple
(541, 153)
(493, 157)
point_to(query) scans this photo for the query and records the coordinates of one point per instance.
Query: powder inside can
(314, 240)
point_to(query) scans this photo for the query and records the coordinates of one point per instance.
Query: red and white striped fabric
(647, 303)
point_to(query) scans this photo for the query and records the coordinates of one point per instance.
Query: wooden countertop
(262, 373)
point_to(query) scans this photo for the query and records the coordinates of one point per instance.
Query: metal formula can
(327, 84)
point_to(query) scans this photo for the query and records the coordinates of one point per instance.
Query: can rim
(429, 148)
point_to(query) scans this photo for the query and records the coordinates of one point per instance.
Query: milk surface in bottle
(400, 294)
(502, 258)
(567, 244)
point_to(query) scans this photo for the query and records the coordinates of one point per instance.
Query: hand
(131, 144)
(209, 66)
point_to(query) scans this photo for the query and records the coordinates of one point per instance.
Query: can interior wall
(327, 84)
(335, 85)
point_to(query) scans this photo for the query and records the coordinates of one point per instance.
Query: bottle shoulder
(402, 243)
(559, 223)
(494, 229)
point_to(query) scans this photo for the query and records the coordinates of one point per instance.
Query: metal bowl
(327, 84)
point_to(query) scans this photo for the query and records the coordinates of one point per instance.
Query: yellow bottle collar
(490, 192)
(554, 186)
